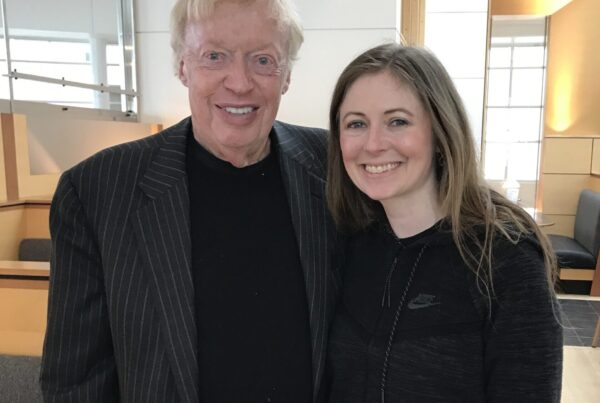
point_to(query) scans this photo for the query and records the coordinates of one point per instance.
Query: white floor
(581, 375)
(581, 370)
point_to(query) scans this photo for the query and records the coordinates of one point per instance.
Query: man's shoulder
(307, 145)
(287, 132)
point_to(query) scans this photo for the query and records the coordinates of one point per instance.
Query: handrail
(65, 83)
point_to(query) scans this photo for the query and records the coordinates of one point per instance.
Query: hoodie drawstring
(387, 292)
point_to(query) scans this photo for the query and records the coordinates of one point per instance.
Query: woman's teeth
(378, 169)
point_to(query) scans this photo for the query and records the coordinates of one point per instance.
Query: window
(84, 60)
(515, 98)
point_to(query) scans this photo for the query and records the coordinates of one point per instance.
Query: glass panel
(528, 56)
(498, 87)
(523, 161)
(4, 81)
(80, 41)
(527, 87)
(4, 89)
(498, 40)
(537, 39)
(497, 125)
(468, 30)
(524, 124)
(70, 72)
(500, 57)
(42, 50)
(28, 90)
(495, 161)
(114, 66)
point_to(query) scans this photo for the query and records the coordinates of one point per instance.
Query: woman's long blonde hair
(476, 213)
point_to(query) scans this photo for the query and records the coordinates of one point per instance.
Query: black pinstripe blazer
(121, 322)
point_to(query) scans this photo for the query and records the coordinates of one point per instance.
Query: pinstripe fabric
(121, 323)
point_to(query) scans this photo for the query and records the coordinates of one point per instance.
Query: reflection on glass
(522, 161)
(515, 102)
(533, 39)
(80, 42)
(495, 161)
(529, 56)
(524, 124)
(527, 87)
(498, 87)
(500, 57)
(513, 124)
(4, 81)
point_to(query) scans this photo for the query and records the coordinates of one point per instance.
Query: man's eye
(264, 61)
(214, 56)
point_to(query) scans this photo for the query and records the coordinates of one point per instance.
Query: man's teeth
(239, 111)
(378, 169)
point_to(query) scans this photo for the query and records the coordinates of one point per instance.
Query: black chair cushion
(570, 253)
(35, 249)
(587, 221)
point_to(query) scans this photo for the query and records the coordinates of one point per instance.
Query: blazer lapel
(162, 229)
(305, 193)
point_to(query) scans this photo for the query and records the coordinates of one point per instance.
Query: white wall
(335, 32)
(96, 17)
(456, 32)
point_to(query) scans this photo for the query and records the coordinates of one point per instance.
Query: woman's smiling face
(386, 139)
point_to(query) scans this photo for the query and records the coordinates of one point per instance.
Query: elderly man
(194, 265)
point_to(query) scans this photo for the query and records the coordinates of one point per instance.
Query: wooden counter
(22, 274)
(23, 306)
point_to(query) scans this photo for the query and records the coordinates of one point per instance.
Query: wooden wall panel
(413, 22)
(567, 155)
(36, 221)
(2, 171)
(596, 157)
(22, 320)
(10, 169)
(526, 7)
(561, 192)
(21, 221)
(30, 185)
(12, 224)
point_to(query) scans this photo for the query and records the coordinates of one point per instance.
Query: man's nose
(238, 77)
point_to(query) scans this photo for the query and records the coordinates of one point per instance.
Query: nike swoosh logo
(419, 305)
(422, 301)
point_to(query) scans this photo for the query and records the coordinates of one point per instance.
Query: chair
(578, 256)
(35, 249)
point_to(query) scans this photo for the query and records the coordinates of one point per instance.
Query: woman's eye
(398, 122)
(355, 124)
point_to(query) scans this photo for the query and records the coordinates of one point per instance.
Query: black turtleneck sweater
(251, 308)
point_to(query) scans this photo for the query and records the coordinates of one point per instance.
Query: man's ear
(181, 73)
(286, 84)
